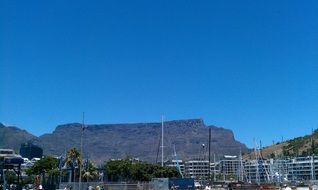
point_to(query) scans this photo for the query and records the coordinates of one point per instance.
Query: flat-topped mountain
(141, 140)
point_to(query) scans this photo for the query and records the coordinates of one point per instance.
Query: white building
(257, 171)
(302, 168)
(197, 169)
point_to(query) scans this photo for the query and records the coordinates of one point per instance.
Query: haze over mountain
(140, 140)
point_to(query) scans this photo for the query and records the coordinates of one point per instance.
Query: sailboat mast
(81, 153)
(257, 164)
(313, 176)
(209, 154)
(162, 141)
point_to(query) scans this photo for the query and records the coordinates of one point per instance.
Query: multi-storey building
(297, 169)
(228, 168)
(197, 169)
(278, 170)
(302, 168)
(215, 169)
(229, 165)
(257, 171)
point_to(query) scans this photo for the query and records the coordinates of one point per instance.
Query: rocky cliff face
(141, 140)
(13, 137)
(102, 142)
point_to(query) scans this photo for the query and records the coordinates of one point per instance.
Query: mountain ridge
(105, 141)
(12, 137)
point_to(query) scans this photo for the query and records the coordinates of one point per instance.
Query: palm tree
(73, 159)
(90, 171)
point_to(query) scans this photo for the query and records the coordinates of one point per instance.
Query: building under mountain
(29, 150)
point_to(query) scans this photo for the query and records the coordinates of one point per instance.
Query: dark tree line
(131, 170)
(116, 170)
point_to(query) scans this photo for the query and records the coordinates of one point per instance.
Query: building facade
(29, 150)
(197, 169)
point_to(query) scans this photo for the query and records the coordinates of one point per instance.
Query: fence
(106, 186)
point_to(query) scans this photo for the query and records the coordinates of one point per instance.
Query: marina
(230, 172)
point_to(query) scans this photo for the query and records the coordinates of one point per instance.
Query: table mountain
(141, 140)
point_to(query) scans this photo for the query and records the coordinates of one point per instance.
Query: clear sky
(250, 66)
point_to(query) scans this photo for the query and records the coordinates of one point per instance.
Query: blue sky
(249, 66)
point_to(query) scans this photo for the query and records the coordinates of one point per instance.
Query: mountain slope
(13, 137)
(141, 140)
(299, 146)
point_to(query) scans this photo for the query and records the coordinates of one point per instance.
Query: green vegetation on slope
(302, 146)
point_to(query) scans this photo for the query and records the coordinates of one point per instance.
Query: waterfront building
(278, 170)
(215, 169)
(302, 168)
(9, 161)
(257, 171)
(231, 168)
(197, 169)
(229, 165)
(228, 168)
(297, 169)
(6, 153)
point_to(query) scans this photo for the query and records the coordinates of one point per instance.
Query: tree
(89, 171)
(113, 169)
(131, 170)
(73, 160)
(11, 177)
(47, 167)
